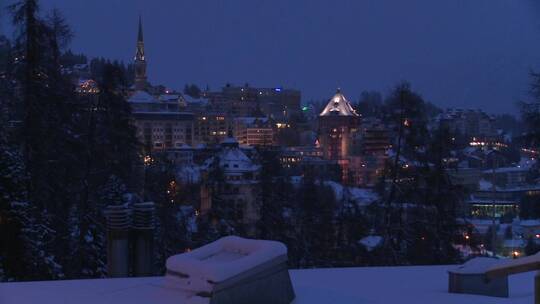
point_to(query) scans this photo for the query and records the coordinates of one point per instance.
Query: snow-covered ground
(415, 285)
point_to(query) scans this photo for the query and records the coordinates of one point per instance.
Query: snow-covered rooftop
(371, 242)
(141, 97)
(507, 170)
(231, 158)
(339, 105)
(248, 120)
(361, 196)
(529, 223)
(169, 97)
(235, 160)
(485, 185)
(414, 284)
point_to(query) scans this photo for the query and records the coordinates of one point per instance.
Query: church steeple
(140, 61)
(140, 36)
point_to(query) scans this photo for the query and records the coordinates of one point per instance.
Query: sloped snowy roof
(141, 97)
(251, 120)
(231, 158)
(339, 105)
(169, 97)
(229, 140)
(507, 170)
(371, 242)
(485, 185)
(361, 196)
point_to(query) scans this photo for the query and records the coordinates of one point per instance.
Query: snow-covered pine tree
(24, 235)
(170, 233)
(316, 221)
(90, 242)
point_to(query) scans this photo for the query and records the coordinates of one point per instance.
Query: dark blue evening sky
(457, 53)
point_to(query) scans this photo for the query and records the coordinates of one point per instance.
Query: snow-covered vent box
(233, 270)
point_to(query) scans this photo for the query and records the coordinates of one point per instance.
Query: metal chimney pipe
(118, 225)
(143, 231)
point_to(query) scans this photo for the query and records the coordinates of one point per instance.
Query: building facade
(468, 122)
(159, 123)
(239, 189)
(210, 127)
(254, 131)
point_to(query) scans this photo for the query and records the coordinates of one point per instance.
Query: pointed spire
(140, 60)
(140, 36)
(139, 53)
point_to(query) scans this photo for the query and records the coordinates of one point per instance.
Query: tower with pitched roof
(337, 124)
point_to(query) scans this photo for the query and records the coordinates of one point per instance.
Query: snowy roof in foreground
(476, 265)
(415, 285)
(339, 106)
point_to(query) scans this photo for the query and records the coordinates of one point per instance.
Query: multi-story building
(370, 151)
(489, 202)
(471, 123)
(254, 131)
(159, 123)
(466, 177)
(338, 125)
(210, 127)
(303, 160)
(507, 176)
(240, 186)
(277, 103)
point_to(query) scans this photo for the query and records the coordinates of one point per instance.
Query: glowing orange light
(147, 160)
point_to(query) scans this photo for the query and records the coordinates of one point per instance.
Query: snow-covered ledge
(233, 270)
